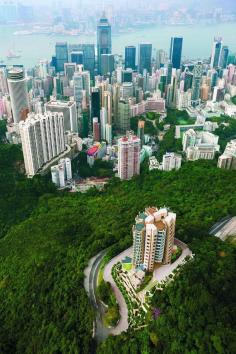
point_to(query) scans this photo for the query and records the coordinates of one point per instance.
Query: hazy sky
(160, 4)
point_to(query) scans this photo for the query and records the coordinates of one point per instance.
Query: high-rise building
(43, 68)
(169, 73)
(107, 64)
(61, 55)
(107, 104)
(153, 237)
(95, 104)
(96, 129)
(83, 54)
(224, 57)
(216, 53)
(17, 85)
(188, 80)
(69, 69)
(130, 57)
(197, 79)
(145, 57)
(228, 159)
(103, 39)
(68, 108)
(128, 157)
(42, 138)
(123, 121)
(77, 57)
(127, 75)
(176, 51)
(62, 172)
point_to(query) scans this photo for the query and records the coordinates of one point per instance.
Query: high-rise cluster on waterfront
(98, 93)
(153, 237)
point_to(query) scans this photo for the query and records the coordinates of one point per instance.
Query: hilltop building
(153, 238)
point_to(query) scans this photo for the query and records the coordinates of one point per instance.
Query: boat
(13, 55)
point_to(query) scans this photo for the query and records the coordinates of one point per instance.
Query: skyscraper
(61, 55)
(145, 57)
(153, 237)
(107, 64)
(128, 157)
(95, 104)
(216, 52)
(176, 51)
(123, 121)
(17, 85)
(197, 79)
(103, 39)
(224, 57)
(83, 54)
(130, 57)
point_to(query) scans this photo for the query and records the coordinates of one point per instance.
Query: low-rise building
(200, 145)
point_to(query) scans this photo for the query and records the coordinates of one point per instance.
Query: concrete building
(128, 157)
(171, 161)
(17, 85)
(200, 145)
(42, 138)
(124, 114)
(228, 159)
(68, 108)
(62, 172)
(153, 238)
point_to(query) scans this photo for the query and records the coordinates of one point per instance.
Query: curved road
(90, 284)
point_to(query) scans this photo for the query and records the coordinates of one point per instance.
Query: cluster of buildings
(200, 145)
(62, 173)
(170, 161)
(81, 94)
(153, 238)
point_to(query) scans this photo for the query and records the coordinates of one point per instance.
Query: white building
(69, 112)
(62, 172)
(228, 159)
(200, 145)
(42, 138)
(171, 161)
(128, 157)
(17, 84)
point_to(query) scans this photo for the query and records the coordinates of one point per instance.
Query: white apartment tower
(128, 157)
(17, 85)
(42, 139)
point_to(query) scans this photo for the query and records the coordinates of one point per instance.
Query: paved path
(123, 323)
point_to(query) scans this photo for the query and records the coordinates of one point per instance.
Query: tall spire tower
(103, 39)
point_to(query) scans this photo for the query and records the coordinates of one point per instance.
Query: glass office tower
(176, 51)
(103, 39)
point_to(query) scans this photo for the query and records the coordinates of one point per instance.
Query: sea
(197, 43)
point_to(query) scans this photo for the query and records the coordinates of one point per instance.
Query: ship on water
(13, 55)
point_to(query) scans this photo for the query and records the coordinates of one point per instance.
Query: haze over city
(117, 177)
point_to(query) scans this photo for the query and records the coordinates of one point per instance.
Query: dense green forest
(48, 237)
(196, 311)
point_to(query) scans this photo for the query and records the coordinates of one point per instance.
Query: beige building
(153, 238)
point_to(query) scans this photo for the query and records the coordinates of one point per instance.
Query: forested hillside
(43, 305)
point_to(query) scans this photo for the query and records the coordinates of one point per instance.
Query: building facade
(42, 138)
(153, 238)
(128, 157)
